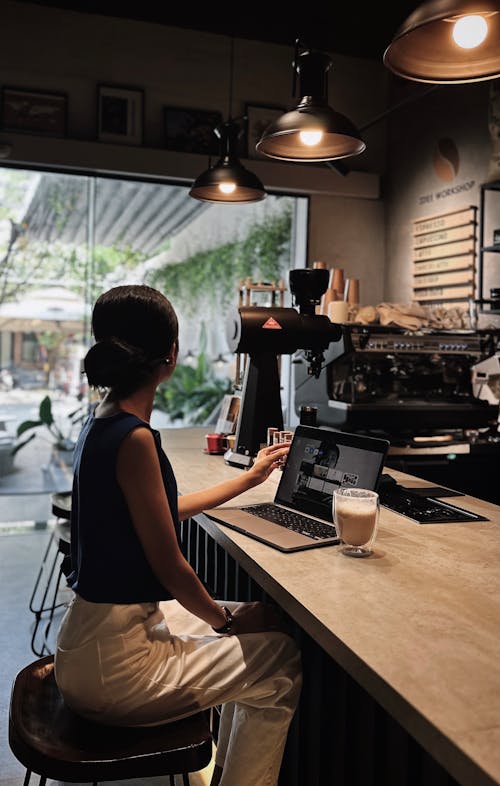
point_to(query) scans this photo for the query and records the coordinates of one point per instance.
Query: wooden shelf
(493, 248)
(147, 162)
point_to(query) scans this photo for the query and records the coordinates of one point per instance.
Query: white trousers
(150, 663)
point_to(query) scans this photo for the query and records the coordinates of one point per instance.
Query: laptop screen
(321, 460)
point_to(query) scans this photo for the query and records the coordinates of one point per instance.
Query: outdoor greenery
(71, 265)
(44, 244)
(192, 393)
(51, 341)
(61, 439)
(26, 262)
(213, 275)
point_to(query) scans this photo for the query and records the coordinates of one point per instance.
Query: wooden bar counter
(417, 625)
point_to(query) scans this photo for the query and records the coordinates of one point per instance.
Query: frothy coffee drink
(355, 523)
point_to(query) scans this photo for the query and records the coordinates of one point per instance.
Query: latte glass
(355, 513)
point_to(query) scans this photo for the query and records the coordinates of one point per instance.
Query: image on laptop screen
(321, 461)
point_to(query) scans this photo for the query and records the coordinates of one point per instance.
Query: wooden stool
(50, 740)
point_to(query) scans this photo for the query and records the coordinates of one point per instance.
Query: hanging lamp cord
(231, 78)
(295, 64)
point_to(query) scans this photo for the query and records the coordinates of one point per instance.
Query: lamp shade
(446, 41)
(228, 180)
(312, 131)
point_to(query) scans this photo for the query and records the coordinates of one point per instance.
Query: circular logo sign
(446, 160)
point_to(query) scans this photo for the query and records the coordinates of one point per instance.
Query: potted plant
(192, 393)
(63, 442)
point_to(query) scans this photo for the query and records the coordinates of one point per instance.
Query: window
(66, 238)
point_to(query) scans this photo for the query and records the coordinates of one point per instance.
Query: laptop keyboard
(294, 521)
(422, 509)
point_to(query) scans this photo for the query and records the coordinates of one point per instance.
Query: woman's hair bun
(115, 364)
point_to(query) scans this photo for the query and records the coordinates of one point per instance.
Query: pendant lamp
(228, 180)
(312, 131)
(448, 41)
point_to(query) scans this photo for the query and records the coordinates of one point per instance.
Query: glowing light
(470, 31)
(311, 138)
(227, 188)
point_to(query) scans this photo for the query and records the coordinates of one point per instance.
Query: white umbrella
(53, 308)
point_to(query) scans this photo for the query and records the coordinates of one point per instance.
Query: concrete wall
(355, 241)
(51, 49)
(423, 183)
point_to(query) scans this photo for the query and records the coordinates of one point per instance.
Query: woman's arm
(139, 477)
(267, 459)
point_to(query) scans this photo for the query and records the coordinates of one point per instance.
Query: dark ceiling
(358, 29)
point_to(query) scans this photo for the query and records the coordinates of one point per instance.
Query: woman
(143, 641)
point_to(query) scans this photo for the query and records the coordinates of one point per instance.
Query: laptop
(300, 517)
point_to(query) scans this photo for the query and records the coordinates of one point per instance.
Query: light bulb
(470, 31)
(311, 138)
(227, 188)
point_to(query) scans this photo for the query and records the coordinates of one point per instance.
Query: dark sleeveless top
(107, 559)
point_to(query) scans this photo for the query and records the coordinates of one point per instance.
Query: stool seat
(51, 740)
(61, 504)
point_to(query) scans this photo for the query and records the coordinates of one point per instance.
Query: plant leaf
(26, 425)
(45, 413)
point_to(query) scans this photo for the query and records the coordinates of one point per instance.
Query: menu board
(444, 257)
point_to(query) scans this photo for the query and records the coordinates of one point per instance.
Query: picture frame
(258, 119)
(120, 114)
(190, 130)
(29, 111)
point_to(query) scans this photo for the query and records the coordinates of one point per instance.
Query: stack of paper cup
(338, 282)
(329, 296)
(352, 291)
(338, 311)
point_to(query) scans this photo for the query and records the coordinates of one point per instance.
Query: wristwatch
(226, 628)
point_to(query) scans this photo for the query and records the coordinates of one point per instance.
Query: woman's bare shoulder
(139, 438)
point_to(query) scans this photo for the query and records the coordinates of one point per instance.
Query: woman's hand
(258, 618)
(268, 459)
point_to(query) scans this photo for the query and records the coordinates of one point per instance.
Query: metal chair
(54, 565)
(53, 742)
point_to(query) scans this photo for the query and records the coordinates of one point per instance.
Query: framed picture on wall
(258, 119)
(191, 130)
(34, 111)
(120, 114)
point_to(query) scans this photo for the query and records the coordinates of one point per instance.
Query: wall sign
(444, 254)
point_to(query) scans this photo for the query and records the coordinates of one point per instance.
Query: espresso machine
(401, 383)
(415, 389)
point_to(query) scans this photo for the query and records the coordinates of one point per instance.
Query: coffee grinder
(264, 333)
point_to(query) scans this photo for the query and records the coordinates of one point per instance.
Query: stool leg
(52, 610)
(27, 778)
(32, 607)
(42, 781)
(172, 780)
(44, 649)
(185, 778)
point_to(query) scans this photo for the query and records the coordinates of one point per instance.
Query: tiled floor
(21, 550)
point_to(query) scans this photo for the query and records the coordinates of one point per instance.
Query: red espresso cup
(216, 443)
